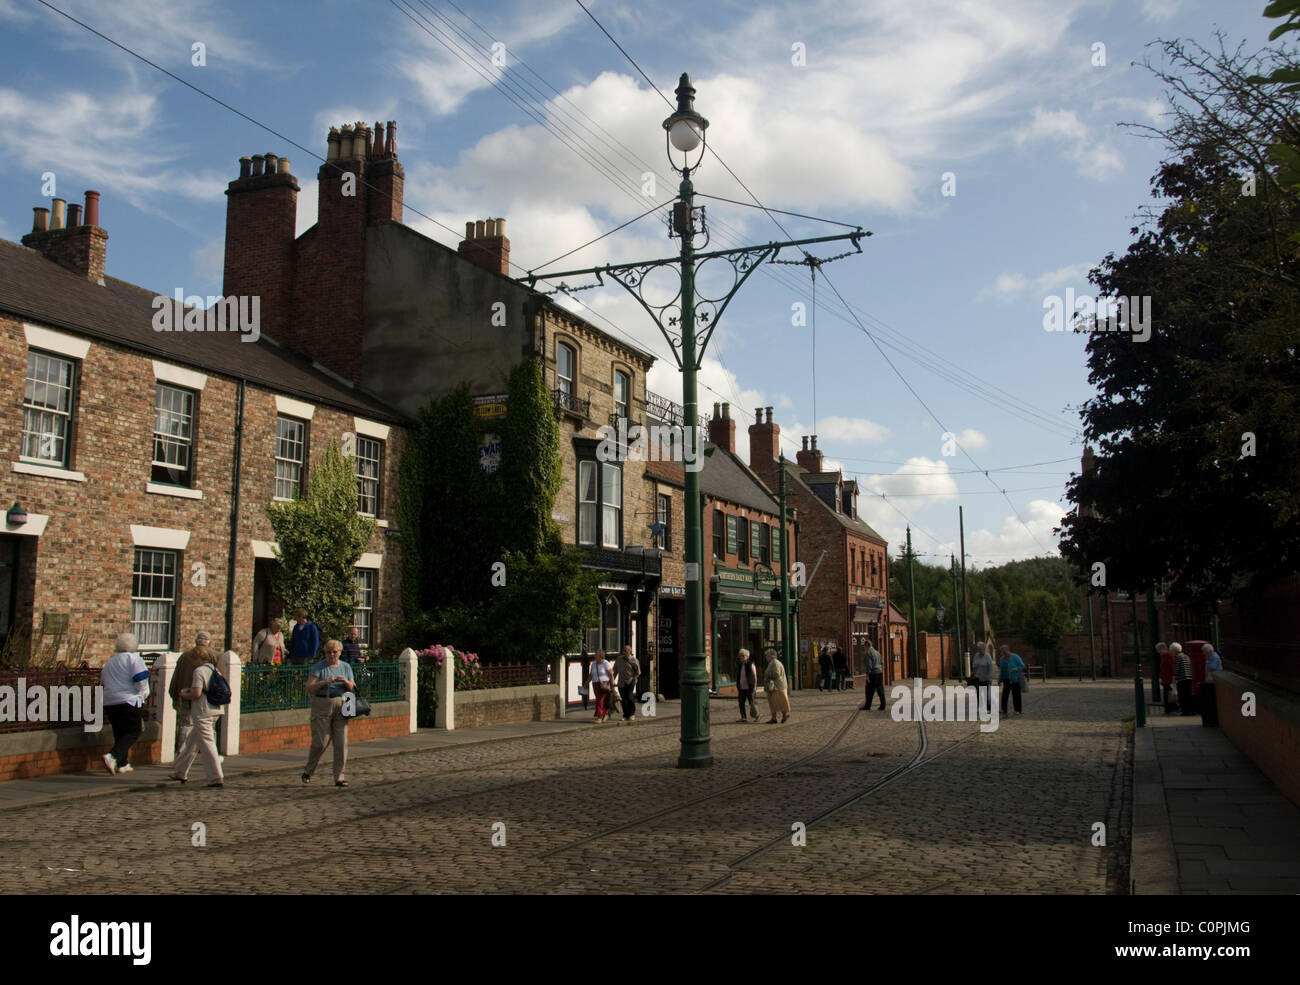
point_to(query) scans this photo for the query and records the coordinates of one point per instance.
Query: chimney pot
(56, 215)
(332, 144)
(758, 416)
(379, 139)
(491, 229)
(717, 410)
(345, 142)
(805, 442)
(726, 411)
(501, 228)
(480, 229)
(283, 165)
(814, 442)
(92, 208)
(769, 415)
(469, 230)
(40, 219)
(245, 167)
(258, 162)
(74, 215)
(390, 145)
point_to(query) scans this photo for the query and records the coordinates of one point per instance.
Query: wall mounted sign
(490, 407)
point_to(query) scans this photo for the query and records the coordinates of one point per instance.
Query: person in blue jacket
(306, 639)
(1010, 667)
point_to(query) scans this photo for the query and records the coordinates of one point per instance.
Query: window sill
(382, 524)
(48, 471)
(159, 489)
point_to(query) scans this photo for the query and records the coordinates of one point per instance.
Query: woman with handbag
(774, 683)
(602, 685)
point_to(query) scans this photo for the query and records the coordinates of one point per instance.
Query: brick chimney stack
(722, 428)
(809, 459)
(485, 243)
(81, 246)
(764, 443)
(261, 219)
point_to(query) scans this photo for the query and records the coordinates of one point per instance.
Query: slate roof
(808, 480)
(724, 476)
(38, 290)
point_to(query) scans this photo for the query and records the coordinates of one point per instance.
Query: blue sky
(890, 96)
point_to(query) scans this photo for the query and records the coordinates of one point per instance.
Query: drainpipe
(234, 520)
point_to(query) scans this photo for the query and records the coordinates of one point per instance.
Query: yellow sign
(490, 407)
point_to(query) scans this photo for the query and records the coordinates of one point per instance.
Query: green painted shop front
(742, 615)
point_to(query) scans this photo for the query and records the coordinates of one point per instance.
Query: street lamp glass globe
(685, 135)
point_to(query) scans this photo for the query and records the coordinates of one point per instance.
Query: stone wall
(503, 705)
(1271, 738)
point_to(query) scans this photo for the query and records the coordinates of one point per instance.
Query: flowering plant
(469, 672)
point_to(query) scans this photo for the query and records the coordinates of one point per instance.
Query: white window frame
(188, 441)
(300, 463)
(170, 602)
(365, 633)
(364, 480)
(39, 411)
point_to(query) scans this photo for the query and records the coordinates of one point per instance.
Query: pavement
(835, 801)
(1205, 820)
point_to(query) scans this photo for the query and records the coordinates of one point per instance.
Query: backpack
(218, 688)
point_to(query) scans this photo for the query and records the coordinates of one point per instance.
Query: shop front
(622, 612)
(743, 616)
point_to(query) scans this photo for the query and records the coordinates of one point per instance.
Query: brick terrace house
(741, 521)
(144, 459)
(847, 600)
(391, 310)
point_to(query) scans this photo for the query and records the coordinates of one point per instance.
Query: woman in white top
(203, 736)
(268, 645)
(125, 680)
(602, 683)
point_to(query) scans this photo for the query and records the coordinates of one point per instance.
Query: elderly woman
(327, 682)
(202, 739)
(268, 645)
(774, 684)
(125, 680)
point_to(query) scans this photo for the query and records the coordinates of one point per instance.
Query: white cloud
(851, 430)
(1013, 541)
(209, 261)
(972, 440)
(1010, 285)
(1084, 146)
(67, 132)
(922, 480)
(162, 32)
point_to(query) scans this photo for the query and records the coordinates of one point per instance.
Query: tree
(1045, 619)
(320, 539)
(1198, 460)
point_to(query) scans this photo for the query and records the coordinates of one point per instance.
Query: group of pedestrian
(833, 665)
(600, 676)
(1176, 675)
(199, 704)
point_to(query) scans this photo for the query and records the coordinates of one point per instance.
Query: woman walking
(1010, 667)
(202, 739)
(602, 685)
(125, 681)
(774, 683)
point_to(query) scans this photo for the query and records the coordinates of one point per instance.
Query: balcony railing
(570, 403)
(628, 562)
(664, 411)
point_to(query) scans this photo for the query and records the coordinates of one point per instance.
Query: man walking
(200, 652)
(327, 682)
(824, 665)
(841, 662)
(981, 669)
(352, 647)
(628, 670)
(875, 678)
(306, 639)
(746, 685)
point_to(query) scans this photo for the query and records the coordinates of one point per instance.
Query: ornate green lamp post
(687, 323)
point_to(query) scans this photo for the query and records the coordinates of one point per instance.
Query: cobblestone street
(1005, 812)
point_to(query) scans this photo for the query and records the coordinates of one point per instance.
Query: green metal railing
(264, 687)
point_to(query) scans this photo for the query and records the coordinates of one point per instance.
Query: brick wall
(30, 754)
(501, 706)
(1271, 739)
(83, 561)
(284, 737)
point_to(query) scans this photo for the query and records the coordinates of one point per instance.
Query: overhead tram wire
(1000, 400)
(313, 154)
(829, 282)
(1016, 408)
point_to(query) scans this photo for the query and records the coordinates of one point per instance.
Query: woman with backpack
(204, 714)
